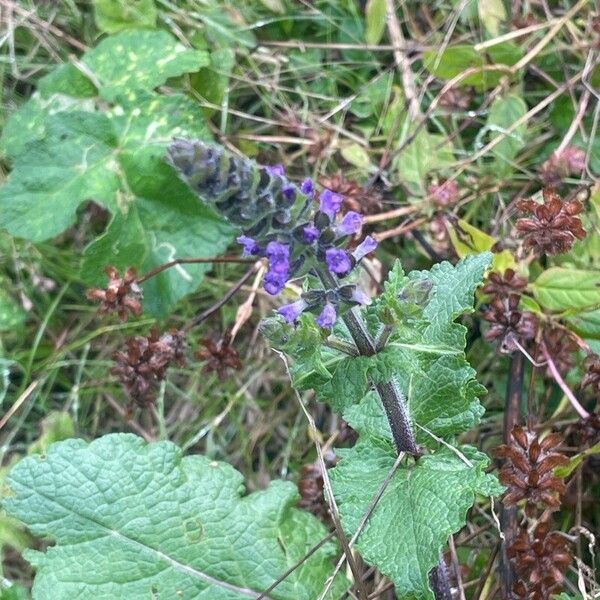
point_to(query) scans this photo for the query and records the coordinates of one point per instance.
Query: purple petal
(364, 248)
(251, 248)
(310, 234)
(327, 317)
(289, 191)
(338, 261)
(330, 203)
(290, 312)
(276, 170)
(279, 257)
(351, 223)
(274, 282)
(307, 187)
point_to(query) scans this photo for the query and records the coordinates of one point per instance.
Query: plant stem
(395, 410)
(508, 515)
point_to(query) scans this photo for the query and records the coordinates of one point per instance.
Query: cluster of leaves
(97, 129)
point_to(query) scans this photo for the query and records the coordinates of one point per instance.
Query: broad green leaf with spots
(422, 505)
(116, 15)
(137, 520)
(139, 60)
(116, 159)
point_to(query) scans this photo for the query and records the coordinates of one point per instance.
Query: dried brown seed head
(551, 227)
(219, 356)
(122, 295)
(508, 324)
(504, 285)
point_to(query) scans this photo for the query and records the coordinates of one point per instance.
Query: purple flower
(366, 246)
(290, 312)
(338, 261)
(351, 223)
(360, 297)
(279, 257)
(276, 170)
(251, 248)
(289, 191)
(327, 317)
(330, 203)
(274, 282)
(307, 187)
(310, 234)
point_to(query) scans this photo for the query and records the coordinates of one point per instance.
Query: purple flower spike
(289, 191)
(251, 248)
(338, 261)
(276, 170)
(290, 312)
(351, 223)
(307, 187)
(330, 203)
(364, 248)
(279, 257)
(310, 234)
(327, 317)
(274, 282)
(360, 297)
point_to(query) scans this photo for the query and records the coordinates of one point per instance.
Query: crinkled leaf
(423, 504)
(140, 60)
(425, 355)
(137, 520)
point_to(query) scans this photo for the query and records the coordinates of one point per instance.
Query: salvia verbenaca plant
(394, 368)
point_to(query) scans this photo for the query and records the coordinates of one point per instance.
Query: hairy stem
(395, 410)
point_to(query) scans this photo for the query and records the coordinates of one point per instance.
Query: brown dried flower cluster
(220, 356)
(592, 373)
(504, 285)
(570, 161)
(146, 361)
(540, 561)
(508, 324)
(122, 294)
(456, 99)
(528, 470)
(356, 198)
(552, 226)
(310, 488)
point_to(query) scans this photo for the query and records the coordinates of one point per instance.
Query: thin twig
(192, 261)
(224, 299)
(584, 414)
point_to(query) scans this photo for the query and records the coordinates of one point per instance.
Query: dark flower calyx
(528, 470)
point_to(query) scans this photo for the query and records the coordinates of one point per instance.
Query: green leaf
(572, 290)
(467, 240)
(456, 59)
(139, 60)
(30, 121)
(68, 80)
(576, 460)
(375, 15)
(137, 520)
(116, 159)
(426, 153)
(212, 81)
(45, 186)
(503, 113)
(114, 15)
(422, 505)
